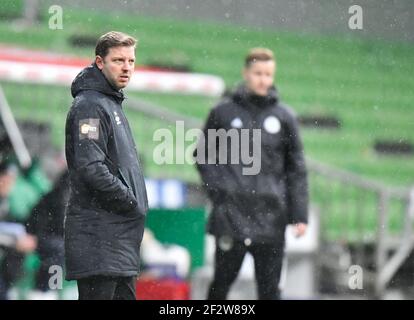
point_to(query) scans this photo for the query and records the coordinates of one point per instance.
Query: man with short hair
(105, 218)
(250, 211)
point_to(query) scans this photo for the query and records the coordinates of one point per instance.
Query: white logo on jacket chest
(236, 123)
(117, 118)
(272, 124)
(86, 128)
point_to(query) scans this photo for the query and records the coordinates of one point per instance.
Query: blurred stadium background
(352, 89)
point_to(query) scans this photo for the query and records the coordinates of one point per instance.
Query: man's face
(259, 76)
(118, 65)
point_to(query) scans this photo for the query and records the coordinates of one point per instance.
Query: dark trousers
(11, 269)
(268, 259)
(107, 288)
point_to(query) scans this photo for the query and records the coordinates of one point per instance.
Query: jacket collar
(91, 78)
(243, 96)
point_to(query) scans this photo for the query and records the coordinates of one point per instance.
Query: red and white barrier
(21, 65)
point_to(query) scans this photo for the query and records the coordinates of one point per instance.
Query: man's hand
(26, 243)
(6, 184)
(300, 229)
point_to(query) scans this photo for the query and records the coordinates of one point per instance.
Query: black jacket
(47, 216)
(108, 202)
(256, 206)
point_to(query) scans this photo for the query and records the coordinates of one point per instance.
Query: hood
(243, 96)
(91, 78)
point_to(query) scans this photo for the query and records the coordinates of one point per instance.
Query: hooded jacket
(258, 205)
(108, 202)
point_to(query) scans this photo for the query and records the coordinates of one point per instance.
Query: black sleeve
(90, 127)
(209, 173)
(47, 216)
(296, 173)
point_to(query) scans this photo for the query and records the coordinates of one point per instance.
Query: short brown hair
(258, 54)
(113, 39)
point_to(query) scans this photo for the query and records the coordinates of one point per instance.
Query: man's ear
(99, 61)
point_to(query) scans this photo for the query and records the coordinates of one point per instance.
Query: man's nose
(127, 66)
